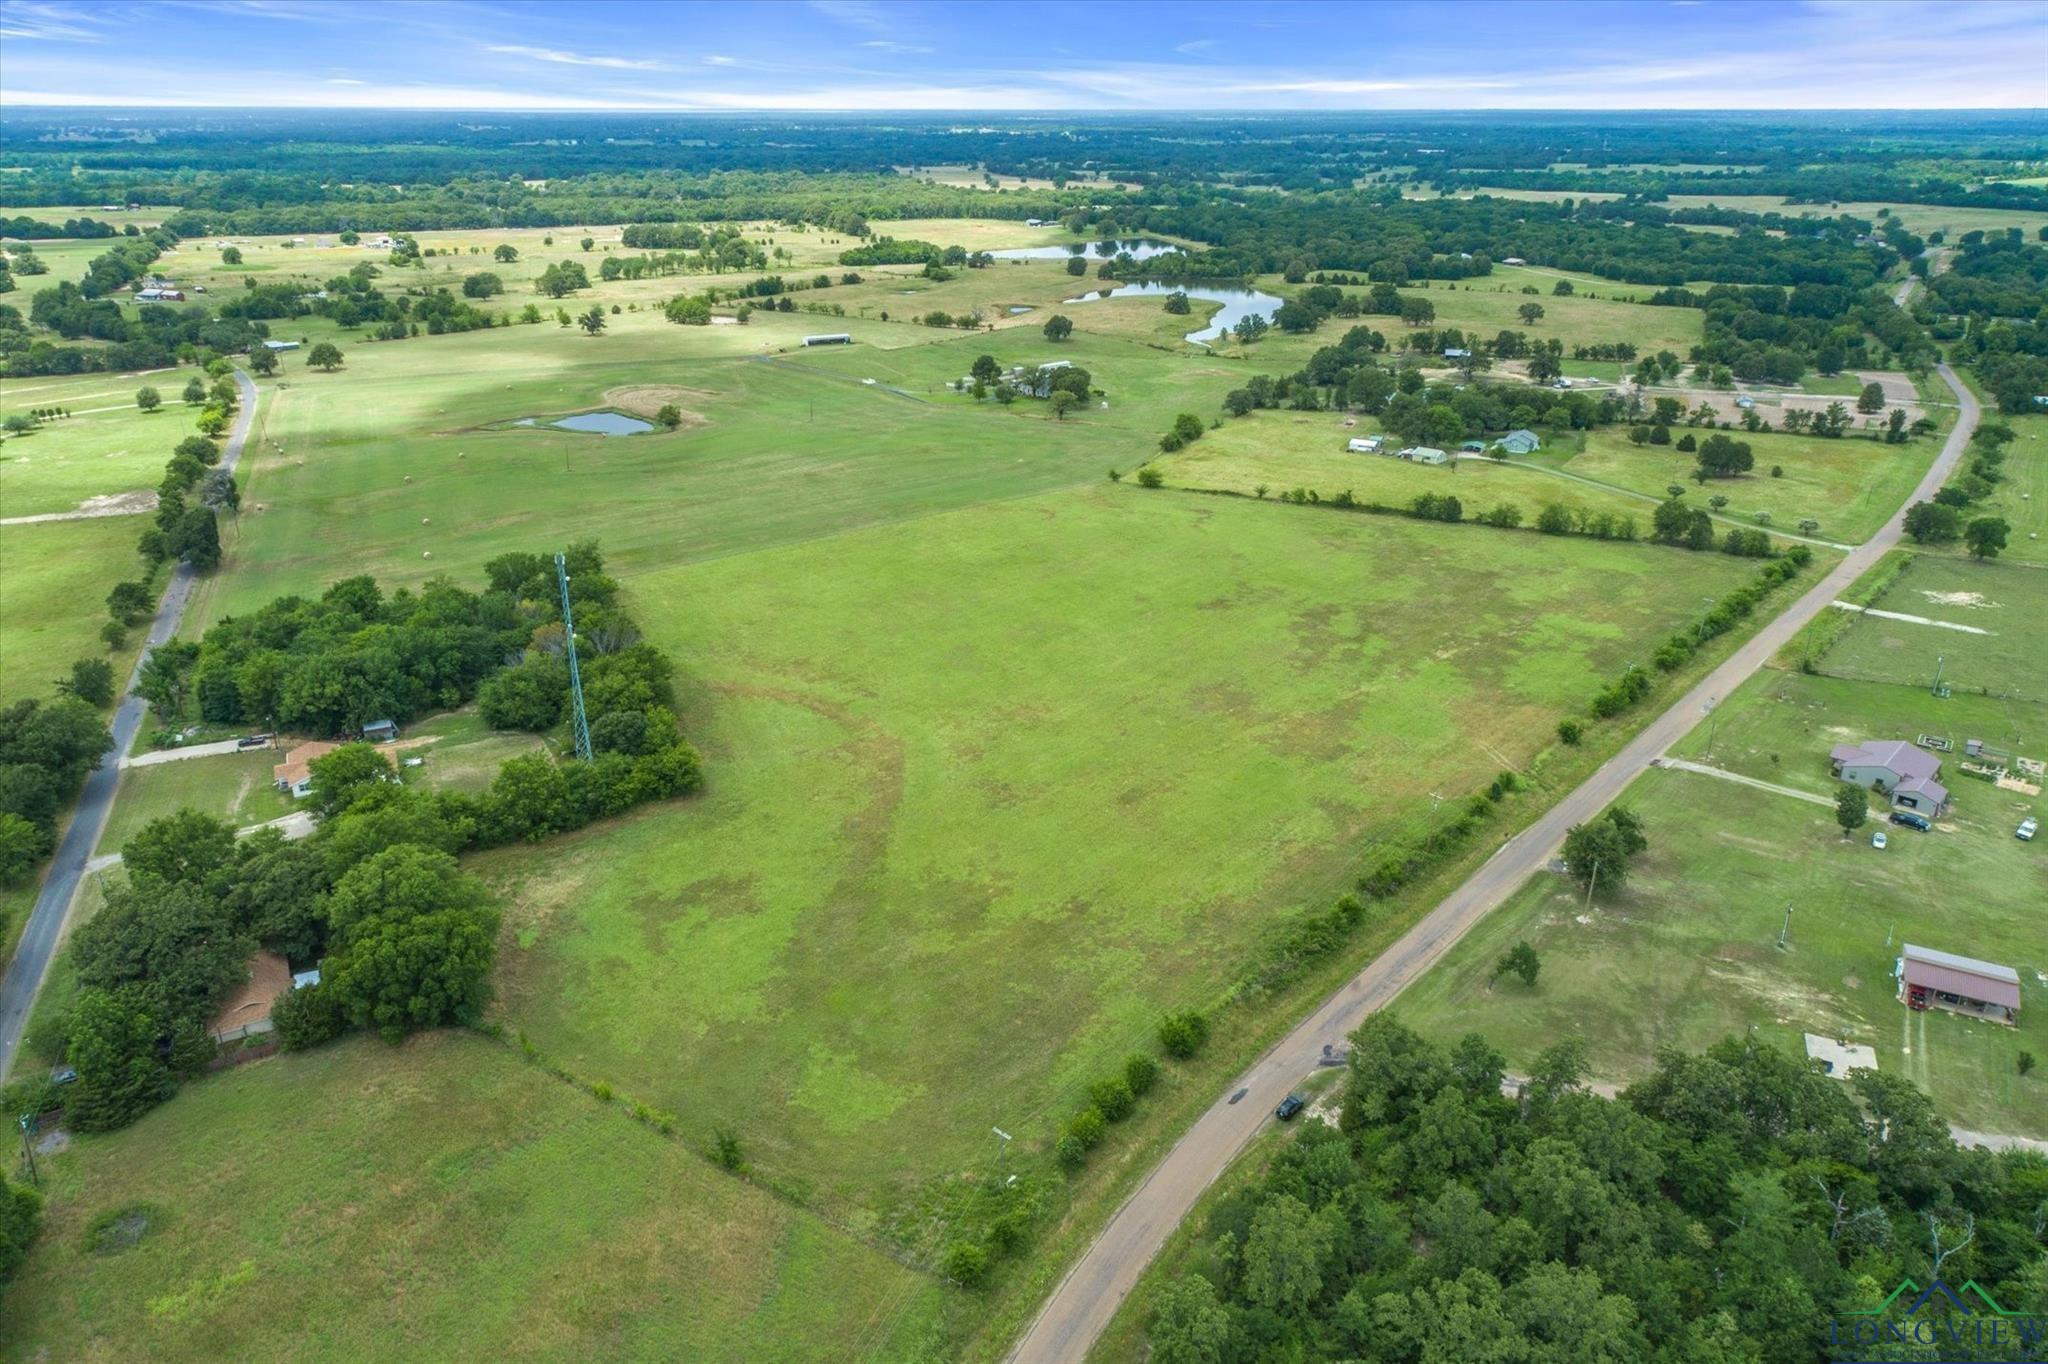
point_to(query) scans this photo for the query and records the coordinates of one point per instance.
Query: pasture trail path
(1081, 1307)
(1681, 765)
(47, 921)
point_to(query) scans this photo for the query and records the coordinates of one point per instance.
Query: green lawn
(1851, 486)
(2022, 498)
(445, 1200)
(234, 787)
(2008, 601)
(107, 445)
(1686, 952)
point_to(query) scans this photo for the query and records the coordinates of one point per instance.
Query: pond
(1140, 248)
(603, 423)
(1237, 304)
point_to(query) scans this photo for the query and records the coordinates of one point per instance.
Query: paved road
(1074, 1317)
(89, 817)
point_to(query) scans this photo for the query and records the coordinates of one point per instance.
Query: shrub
(966, 1264)
(306, 1017)
(1570, 732)
(1183, 1033)
(725, 1149)
(1070, 1153)
(1088, 1127)
(1149, 477)
(1141, 1072)
(1112, 1096)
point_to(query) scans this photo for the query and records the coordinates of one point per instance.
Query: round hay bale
(408, 478)
(426, 521)
(426, 554)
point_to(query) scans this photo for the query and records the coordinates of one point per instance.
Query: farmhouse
(1940, 980)
(246, 1013)
(1521, 441)
(294, 775)
(1038, 382)
(1034, 222)
(1425, 454)
(1456, 353)
(829, 339)
(1365, 445)
(380, 731)
(157, 294)
(1895, 768)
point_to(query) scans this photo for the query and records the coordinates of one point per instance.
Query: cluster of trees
(46, 749)
(1776, 335)
(562, 278)
(1721, 1209)
(21, 225)
(1187, 428)
(21, 1217)
(1942, 521)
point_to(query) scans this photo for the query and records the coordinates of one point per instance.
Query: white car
(2028, 827)
(1877, 839)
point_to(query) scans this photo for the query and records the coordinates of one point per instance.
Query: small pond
(603, 423)
(1140, 248)
(1237, 304)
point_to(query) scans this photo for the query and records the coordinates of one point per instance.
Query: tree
(1058, 327)
(342, 777)
(1519, 960)
(185, 848)
(1076, 265)
(195, 391)
(263, 360)
(1183, 1032)
(416, 937)
(21, 1214)
(482, 284)
(1871, 399)
(563, 277)
(325, 356)
(1597, 853)
(112, 1046)
(1529, 313)
(218, 491)
(505, 253)
(593, 321)
(1177, 303)
(588, 242)
(669, 417)
(23, 843)
(1562, 289)
(1191, 1325)
(129, 602)
(1852, 807)
(1062, 403)
(1931, 523)
(1722, 457)
(196, 540)
(148, 399)
(1283, 1256)
(1986, 536)
(91, 681)
(985, 368)
(231, 256)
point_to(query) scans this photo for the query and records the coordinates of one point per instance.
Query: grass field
(234, 787)
(1921, 218)
(107, 446)
(1254, 679)
(1850, 486)
(2022, 498)
(54, 580)
(1286, 450)
(484, 1208)
(2008, 602)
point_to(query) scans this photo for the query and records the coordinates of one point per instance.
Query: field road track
(1076, 1314)
(45, 927)
(1704, 770)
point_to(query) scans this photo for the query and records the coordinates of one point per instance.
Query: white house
(1425, 454)
(830, 339)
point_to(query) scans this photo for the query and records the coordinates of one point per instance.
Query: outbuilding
(1425, 454)
(1364, 445)
(380, 731)
(280, 345)
(1941, 980)
(830, 339)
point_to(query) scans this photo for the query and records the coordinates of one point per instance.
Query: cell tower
(575, 678)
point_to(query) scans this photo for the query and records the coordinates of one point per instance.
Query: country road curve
(45, 928)
(1081, 1307)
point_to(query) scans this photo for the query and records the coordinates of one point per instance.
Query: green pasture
(1686, 952)
(1070, 754)
(2022, 498)
(1920, 218)
(1852, 486)
(774, 450)
(108, 445)
(54, 580)
(444, 1200)
(2001, 652)
(1285, 450)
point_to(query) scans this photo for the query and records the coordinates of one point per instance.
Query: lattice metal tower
(575, 677)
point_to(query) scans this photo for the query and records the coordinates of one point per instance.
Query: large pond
(1238, 304)
(1140, 248)
(603, 423)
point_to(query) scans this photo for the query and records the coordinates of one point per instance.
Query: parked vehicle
(1877, 839)
(2028, 828)
(1907, 819)
(1290, 1106)
(255, 741)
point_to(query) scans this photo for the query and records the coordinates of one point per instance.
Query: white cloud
(890, 45)
(550, 54)
(28, 21)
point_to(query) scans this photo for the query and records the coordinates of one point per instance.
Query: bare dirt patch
(106, 504)
(1957, 598)
(644, 400)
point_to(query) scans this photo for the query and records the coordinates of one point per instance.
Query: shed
(246, 1012)
(1456, 353)
(380, 731)
(1513, 260)
(1941, 980)
(1364, 445)
(294, 775)
(1521, 441)
(280, 345)
(1425, 454)
(1745, 402)
(830, 339)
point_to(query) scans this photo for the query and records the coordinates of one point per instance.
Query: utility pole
(1786, 930)
(28, 1149)
(1592, 881)
(1713, 719)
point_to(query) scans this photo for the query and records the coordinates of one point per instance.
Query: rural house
(1894, 768)
(1364, 445)
(246, 1012)
(830, 339)
(1941, 980)
(1520, 441)
(294, 775)
(1425, 454)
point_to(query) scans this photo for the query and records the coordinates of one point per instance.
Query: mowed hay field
(54, 580)
(988, 794)
(443, 1200)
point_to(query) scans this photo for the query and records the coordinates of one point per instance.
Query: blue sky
(1026, 55)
